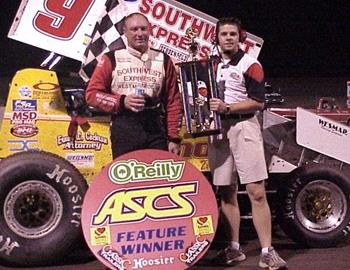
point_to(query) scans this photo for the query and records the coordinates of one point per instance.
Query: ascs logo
(139, 204)
(160, 210)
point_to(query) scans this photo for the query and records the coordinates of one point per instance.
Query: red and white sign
(323, 135)
(65, 26)
(61, 26)
(149, 209)
(169, 21)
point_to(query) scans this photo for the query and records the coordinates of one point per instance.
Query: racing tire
(315, 206)
(41, 195)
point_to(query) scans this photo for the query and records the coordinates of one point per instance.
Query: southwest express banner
(65, 26)
(149, 209)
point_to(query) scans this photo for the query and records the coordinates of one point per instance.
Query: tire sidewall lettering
(62, 177)
(67, 181)
(289, 193)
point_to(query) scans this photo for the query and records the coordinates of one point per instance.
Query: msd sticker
(152, 203)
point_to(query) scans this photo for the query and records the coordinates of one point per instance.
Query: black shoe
(229, 256)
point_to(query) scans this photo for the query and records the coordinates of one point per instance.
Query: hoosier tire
(40, 207)
(315, 206)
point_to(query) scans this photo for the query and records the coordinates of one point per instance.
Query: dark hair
(230, 21)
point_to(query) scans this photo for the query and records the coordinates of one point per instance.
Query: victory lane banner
(149, 209)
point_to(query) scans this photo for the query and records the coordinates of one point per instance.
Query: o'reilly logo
(132, 170)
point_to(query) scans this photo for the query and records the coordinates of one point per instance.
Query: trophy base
(205, 133)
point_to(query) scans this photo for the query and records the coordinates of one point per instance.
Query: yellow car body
(36, 117)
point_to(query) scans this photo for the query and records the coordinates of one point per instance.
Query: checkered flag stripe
(105, 37)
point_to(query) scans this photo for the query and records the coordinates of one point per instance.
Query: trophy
(198, 85)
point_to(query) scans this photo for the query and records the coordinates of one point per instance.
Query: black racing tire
(315, 206)
(41, 195)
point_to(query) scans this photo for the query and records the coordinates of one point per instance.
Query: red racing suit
(118, 74)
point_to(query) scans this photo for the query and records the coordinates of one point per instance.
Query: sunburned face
(137, 32)
(228, 38)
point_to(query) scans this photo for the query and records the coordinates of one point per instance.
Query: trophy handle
(185, 98)
(214, 92)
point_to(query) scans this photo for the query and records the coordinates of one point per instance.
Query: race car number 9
(61, 18)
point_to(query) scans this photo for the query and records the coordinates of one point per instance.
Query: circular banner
(149, 209)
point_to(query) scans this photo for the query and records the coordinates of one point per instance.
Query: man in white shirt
(240, 153)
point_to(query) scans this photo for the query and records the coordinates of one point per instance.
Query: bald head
(137, 31)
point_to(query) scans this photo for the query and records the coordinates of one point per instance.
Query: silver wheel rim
(33, 209)
(321, 206)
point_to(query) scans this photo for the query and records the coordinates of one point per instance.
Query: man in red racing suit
(138, 85)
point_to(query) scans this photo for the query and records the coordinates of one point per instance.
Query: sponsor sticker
(81, 160)
(24, 117)
(203, 225)
(24, 105)
(22, 145)
(83, 141)
(100, 236)
(24, 130)
(111, 256)
(151, 201)
(25, 92)
(45, 91)
(194, 250)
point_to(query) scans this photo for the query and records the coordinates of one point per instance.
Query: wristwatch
(227, 109)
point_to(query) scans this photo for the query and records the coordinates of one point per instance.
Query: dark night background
(301, 38)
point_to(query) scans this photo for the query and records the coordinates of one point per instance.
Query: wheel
(314, 206)
(40, 204)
